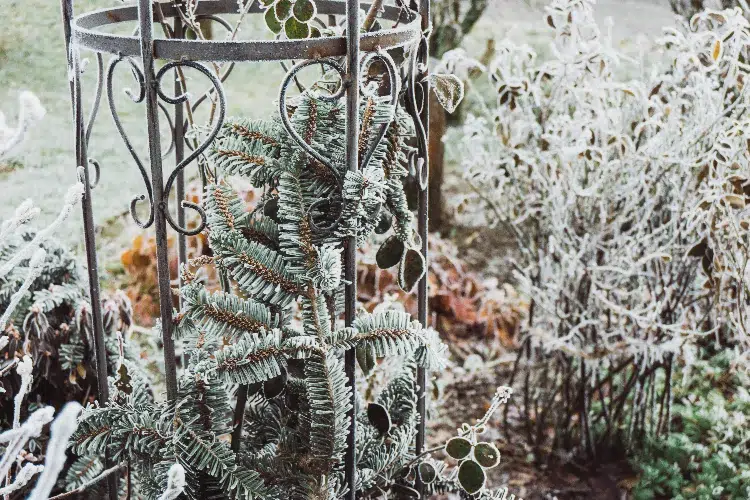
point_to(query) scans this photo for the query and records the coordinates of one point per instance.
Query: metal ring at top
(86, 35)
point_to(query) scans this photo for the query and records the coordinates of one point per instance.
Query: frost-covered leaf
(449, 90)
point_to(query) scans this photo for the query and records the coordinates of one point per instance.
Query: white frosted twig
(31, 111)
(175, 483)
(35, 267)
(22, 478)
(24, 214)
(24, 369)
(62, 428)
(18, 437)
(72, 197)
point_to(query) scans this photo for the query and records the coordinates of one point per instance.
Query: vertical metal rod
(145, 22)
(89, 235)
(422, 229)
(179, 153)
(350, 263)
(178, 31)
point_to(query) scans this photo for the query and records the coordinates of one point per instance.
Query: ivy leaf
(390, 252)
(384, 224)
(296, 30)
(427, 472)
(471, 476)
(411, 269)
(271, 207)
(283, 8)
(273, 24)
(379, 417)
(366, 358)
(458, 448)
(449, 90)
(304, 10)
(486, 455)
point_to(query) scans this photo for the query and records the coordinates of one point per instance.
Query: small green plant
(263, 408)
(707, 454)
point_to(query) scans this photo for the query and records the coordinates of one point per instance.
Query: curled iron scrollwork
(219, 120)
(414, 101)
(394, 92)
(136, 98)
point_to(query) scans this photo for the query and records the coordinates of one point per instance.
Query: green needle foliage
(263, 405)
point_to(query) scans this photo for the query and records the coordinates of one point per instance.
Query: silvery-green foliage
(627, 198)
(272, 342)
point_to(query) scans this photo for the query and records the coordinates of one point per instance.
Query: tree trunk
(438, 123)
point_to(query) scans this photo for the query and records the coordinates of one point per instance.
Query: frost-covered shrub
(627, 200)
(46, 314)
(45, 350)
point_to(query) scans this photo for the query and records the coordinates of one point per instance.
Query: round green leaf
(471, 476)
(411, 269)
(296, 30)
(254, 388)
(304, 10)
(283, 8)
(458, 448)
(366, 358)
(273, 24)
(379, 417)
(427, 472)
(384, 224)
(486, 455)
(390, 252)
(271, 209)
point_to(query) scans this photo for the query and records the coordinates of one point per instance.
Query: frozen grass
(32, 57)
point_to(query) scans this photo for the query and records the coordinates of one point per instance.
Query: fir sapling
(262, 408)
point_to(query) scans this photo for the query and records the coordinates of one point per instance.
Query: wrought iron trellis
(142, 50)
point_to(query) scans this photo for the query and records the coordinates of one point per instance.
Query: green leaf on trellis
(471, 476)
(384, 224)
(296, 30)
(304, 10)
(487, 455)
(315, 32)
(283, 8)
(379, 418)
(390, 252)
(272, 22)
(366, 358)
(427, 472)
(458, 448)
(411, 269)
